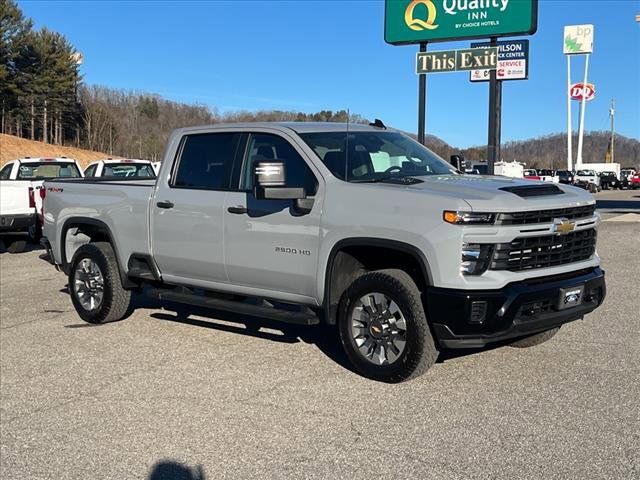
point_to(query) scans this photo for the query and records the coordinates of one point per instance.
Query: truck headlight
(475, 258)
(468, 218)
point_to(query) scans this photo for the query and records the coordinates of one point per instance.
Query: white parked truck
(357, 226)
(21, 196)
(509, 169)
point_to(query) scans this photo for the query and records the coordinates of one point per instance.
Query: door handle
(165, 204)
(239, 210)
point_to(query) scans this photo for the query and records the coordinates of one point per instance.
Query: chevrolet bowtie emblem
(562, 226)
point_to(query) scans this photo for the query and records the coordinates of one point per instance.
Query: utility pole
(612, 114)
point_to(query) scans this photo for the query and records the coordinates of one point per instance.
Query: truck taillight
(32, 198)
(43, 192)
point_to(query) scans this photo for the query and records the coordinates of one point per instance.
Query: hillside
(550, 151)
(12, 147)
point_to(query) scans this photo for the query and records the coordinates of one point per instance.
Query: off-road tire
(116, 300)
(420, 351)
(17, 246)
(536, 339)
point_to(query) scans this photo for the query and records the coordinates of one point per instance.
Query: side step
(303, 317)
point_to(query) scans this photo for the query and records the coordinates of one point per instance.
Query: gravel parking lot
(162, 397)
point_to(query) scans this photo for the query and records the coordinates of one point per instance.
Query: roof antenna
(378, 124)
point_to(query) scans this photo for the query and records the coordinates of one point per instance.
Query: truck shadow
(170, 470)
(324, 337)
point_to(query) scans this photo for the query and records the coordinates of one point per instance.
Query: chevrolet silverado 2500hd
(354, 225)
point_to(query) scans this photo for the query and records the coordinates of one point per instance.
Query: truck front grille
(545, 216)
(527, 253)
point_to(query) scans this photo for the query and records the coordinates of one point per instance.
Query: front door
(269, 243)
(187, 211)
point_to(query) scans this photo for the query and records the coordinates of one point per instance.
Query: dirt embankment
(12, 147)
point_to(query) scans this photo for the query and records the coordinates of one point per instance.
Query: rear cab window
(128, 170)
(206, 161)
(47, 170)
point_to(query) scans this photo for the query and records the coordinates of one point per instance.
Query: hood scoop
(525, 191)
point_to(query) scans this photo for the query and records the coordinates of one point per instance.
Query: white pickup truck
(21, 196)
(120, 168)
(357, 226)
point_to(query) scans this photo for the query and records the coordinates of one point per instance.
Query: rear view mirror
(269, 180)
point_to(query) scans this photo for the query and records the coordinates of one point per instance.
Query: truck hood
(487, 194)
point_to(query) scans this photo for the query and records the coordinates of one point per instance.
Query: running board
(304, 317)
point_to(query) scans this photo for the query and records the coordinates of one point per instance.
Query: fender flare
(403, 247)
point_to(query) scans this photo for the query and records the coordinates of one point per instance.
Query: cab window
(266, 148)
(6, 172)
(206, 161)
(90, 171)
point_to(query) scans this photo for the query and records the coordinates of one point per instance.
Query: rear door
(186, 212)
(269, 244)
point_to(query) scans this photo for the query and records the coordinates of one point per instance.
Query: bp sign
(416, 21)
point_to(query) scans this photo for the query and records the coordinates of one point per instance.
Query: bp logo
(420, 23)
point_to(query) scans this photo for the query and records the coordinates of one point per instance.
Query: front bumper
(17, 223)
(519, 309)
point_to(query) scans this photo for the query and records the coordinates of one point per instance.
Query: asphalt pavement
(158, 396)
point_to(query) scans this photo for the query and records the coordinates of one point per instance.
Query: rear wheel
(383, 328)
(536, 339)
(94, 282)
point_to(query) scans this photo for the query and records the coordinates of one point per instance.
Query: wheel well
(348, 262)
(77, 234)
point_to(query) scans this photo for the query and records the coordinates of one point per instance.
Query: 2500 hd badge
(293, 251)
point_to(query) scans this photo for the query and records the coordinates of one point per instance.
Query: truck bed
(101, 200)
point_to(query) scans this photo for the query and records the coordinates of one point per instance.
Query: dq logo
(417, 23)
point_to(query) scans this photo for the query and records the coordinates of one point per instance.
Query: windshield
(128, 170)
(45, 170)
(372, 156)
(585, 173)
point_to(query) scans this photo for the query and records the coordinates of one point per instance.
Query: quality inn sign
(415, 21)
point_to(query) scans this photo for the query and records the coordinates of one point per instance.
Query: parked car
(565, 176)
(120, 168)
(609, 180)
(626, 177)
(353, 225)
(587, 179)
(21, 195)
(531, 174)
(547, 175)
(635, 181)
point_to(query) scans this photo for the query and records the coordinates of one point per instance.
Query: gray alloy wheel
(378, 329)
(89, 284)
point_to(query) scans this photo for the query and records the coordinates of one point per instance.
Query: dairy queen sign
(577, 90)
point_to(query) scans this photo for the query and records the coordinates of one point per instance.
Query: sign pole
(495, 100)
(569, 129)
(422, 100)
(583, 105)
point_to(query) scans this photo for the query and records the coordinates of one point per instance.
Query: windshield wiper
(402, 180)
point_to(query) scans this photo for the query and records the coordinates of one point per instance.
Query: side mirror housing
(269, 182)
(457, 161)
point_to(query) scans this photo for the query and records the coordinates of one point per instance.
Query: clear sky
(314, 55)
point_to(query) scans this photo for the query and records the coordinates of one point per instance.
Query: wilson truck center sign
(415, 21)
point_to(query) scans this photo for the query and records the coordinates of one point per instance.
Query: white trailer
(509, 169)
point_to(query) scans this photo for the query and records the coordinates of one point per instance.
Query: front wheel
(383, 328)
(95, 286)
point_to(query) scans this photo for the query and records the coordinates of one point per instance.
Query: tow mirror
(269, 183)
(457, 162)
